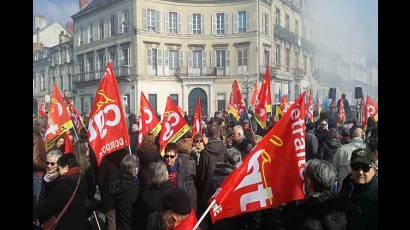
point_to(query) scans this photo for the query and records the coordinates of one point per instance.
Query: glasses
(50, 163)
(357, 167)
(169, 156)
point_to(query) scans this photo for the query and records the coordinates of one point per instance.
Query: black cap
(361, 155)
(177, 200)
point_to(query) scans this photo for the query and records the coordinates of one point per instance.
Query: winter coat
(75, 215)
(244, 147)
(146, 158)
(214, 151)
(186, 177)
(150, 202)
(126, 192)
(361, 204)
(341, 159)
(311, 145)
(328, 149)
(321, 136)
(39, 155)
(319, 211)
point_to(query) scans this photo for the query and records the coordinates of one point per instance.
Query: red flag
(75, 116)
(59, 121)
(318, 107)
(235, 106)
(174, 126)
(149, 121)
(107, 129)
(271, 173)
(309, 108)
(255, 94)
(284, 104)
(261, 103)
(341, 115)
(197, 124)
(42, 110)
(370, 109)
(68, 147)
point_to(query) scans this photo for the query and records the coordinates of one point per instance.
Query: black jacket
(321, 136)
(328, 149)
(214, 151)
(361, 204)
(186, 177)
(75, 215)
(317, 212)
(126, 192)
(244, 147)
(311, 145)
(151, 202)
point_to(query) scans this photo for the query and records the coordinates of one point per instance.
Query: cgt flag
(149, 121)
(197, 124)
(254, 94)
(271, 174)
(174, 126)
(261, 108)
(235, 106)
(284, 104)
(42, 110)
(107, 129)
(309, 109)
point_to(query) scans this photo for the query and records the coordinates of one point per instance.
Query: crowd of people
(144, 190)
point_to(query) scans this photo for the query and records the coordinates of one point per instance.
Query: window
(266, 23)
(173, 59)
(304, 63)
(277, 55)
(220, 58)
(277, 18)
(296, 27)
(90, 34)
(151, 20)
(101, 28)
(287, 22)
(220, 23)
(35, 81)
(242, 56)
(69, 82)
(196, 23)
(91, 66)
(152, 99)
(125, 54)
(221, 101)
(61, 83)
(81, 65)
(172, 22)
(296, 60)
(152, 58)
(113, 57)
(113, 25)
(82, 106)
(42, 83)
(287, 58)
(266, 57)
(242, 21)
(80, 37)
(174, 98)
(101, 63)
(196, 59)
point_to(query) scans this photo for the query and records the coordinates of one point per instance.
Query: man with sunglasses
(360, 189)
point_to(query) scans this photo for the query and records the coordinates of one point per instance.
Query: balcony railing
(121, 73)
(195, 72)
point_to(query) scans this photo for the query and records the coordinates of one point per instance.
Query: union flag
(197, 124)
(148, 122)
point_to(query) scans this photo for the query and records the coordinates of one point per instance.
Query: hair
(357, 132)
(39, 124)
(373, 144)
(322, 174)
(310, 126)
(39, 150)
(129, 165)
(345, 132)
(234, 156)
(214, 132)
(197, 136)
(67, 160)
(184, 145)
(333, 133)
(54, 153)
(80, 149)
(148, 145)
(239, 128)
(158, 172)
(171, 147)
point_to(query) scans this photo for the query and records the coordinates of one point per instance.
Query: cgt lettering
(101, 122)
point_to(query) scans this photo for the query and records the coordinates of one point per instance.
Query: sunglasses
(197, 141)
(357, 167)
(50, 163)
(169, 156)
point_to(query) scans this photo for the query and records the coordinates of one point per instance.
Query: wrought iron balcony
(285, 34)
(123, 73)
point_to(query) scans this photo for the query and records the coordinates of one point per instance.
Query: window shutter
(157, 21)
(120, 22)
(190, 15)
(149, 56)
(247, 21)
(203, 59)
(181, 58)
(159, 57)
(262, 25)
(190, 59)
(214, 23)
(166, 22)
(202, 23)
(245, 57)
(213, 58)
(226, 19)
(235, 22)
(179, 23)
(166, 56)
(145, 19)
(227, 58)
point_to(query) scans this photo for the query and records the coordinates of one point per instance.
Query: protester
(240, 141)
(147, 153)
(126, 191)
(356, 124)
(322, 133)
(311, 141)
(372, 145)
(197, 147)
(39, 166)
(341, 159)
(176, 212)
(330, 146)
(59, 145)
(316, 210)
(361, 191)
(75, 215)
(134, 138)
(345, 136)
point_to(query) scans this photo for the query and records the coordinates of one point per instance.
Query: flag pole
(75, 132)
(81, 120)
(204, 214)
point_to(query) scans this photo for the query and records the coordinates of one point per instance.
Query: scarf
(49, 177)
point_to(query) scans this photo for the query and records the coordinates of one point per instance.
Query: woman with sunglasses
(197, 147)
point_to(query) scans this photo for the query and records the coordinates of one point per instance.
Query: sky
(56, 10)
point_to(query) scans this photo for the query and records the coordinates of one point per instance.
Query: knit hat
(177, 200)
(361, 155)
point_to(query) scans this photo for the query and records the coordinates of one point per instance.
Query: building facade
(41, 62)
(186, 49)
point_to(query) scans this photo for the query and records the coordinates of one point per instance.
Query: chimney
(83, 4)
(39, 22)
